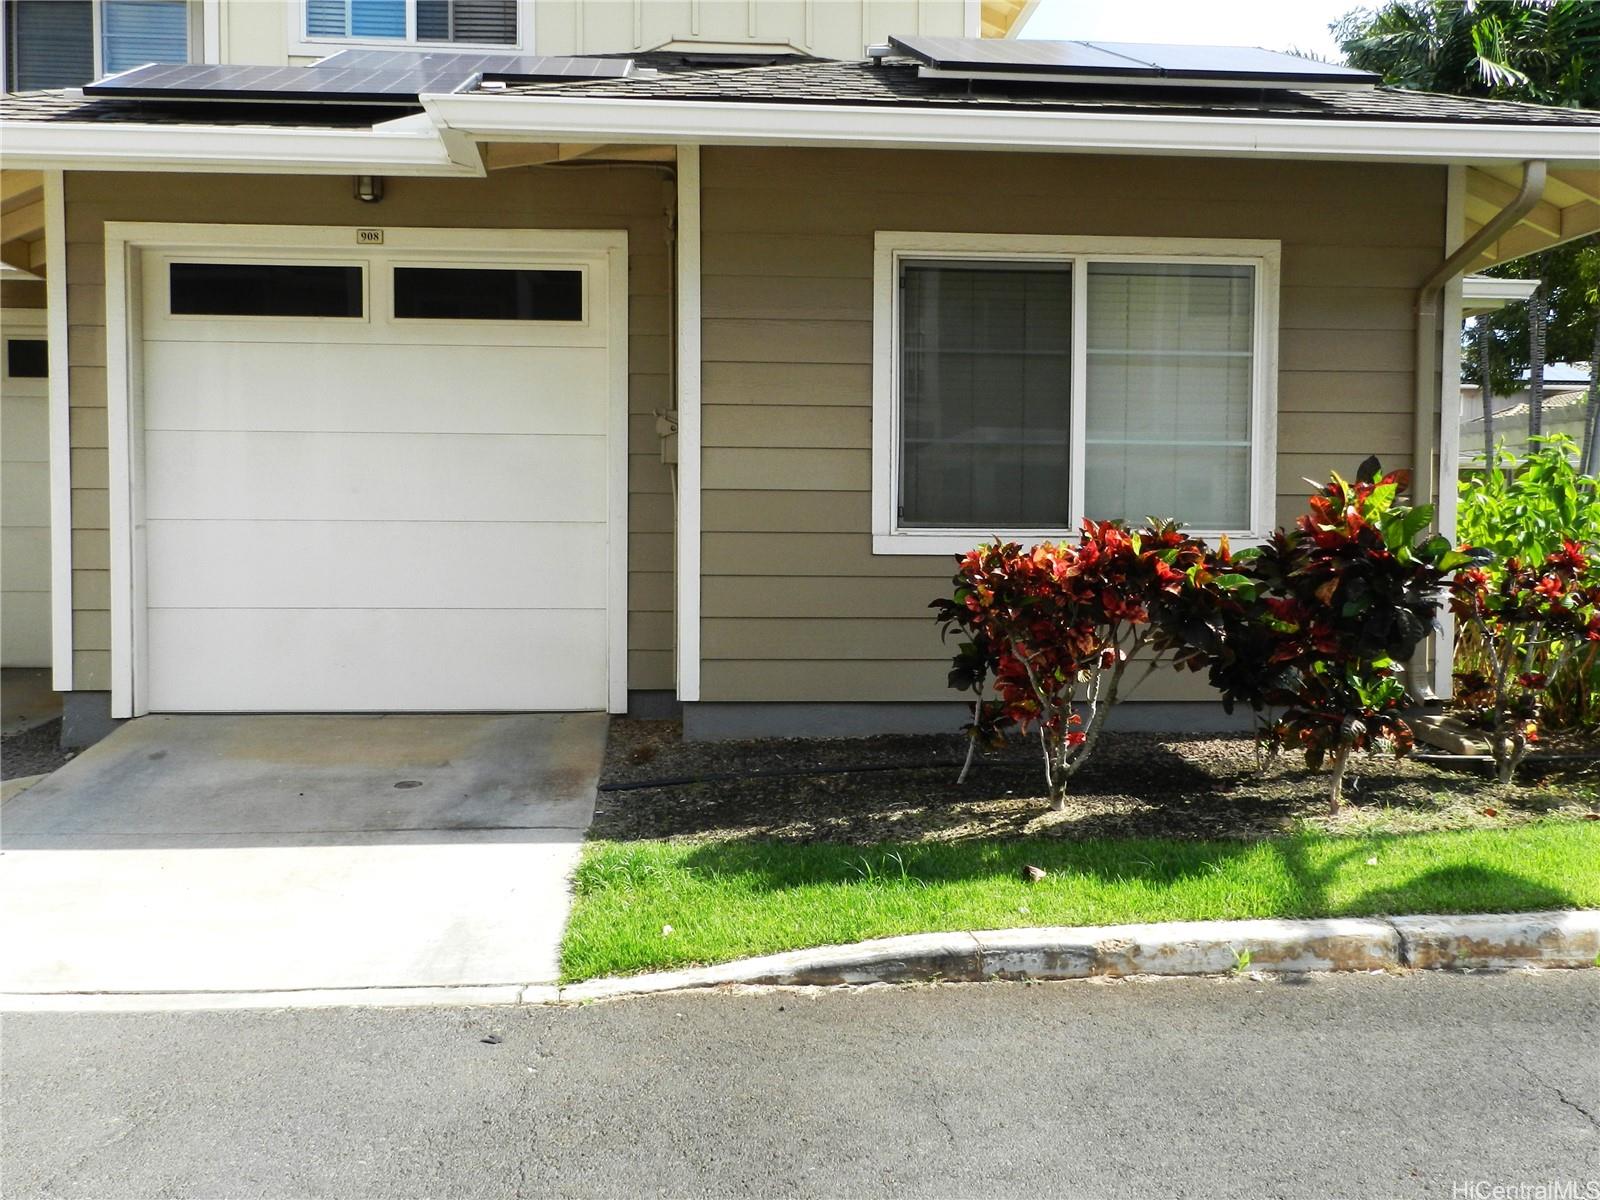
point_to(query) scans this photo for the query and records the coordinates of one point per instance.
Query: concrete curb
(1496, 941)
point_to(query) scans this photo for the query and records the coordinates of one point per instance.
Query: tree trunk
(1538, 324)
(1336, 784)
(1591, 417)
(1486, 390)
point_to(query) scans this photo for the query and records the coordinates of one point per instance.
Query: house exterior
(678, 389)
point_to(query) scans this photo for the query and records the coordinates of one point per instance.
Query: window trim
(302, 43)
(892, 248)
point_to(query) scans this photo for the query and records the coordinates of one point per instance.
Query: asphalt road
(1351, 1086)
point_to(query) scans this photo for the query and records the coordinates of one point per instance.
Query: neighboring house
(361, 407)
(67, 43)
(1566, 396)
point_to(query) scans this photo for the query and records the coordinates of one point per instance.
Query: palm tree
(1541, 50)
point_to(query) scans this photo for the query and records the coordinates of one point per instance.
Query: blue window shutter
(135, 32)
(378, 18)
(49, 44)
(327, 18)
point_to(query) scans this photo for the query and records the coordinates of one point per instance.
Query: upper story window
(454, 22)
(1023, 383)
(67, 43)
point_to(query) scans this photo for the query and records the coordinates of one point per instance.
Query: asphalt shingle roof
(796, 80)
(898, 84)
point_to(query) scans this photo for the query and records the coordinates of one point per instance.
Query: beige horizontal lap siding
(795, 606)
(528, 198)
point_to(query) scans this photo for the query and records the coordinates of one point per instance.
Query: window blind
(49, 44)
(986, 382)
(490, 22)
(356, 18)
(135, 32)
(1168, 417)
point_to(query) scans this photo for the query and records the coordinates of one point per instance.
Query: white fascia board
(404, 147)
(595, 119)
(1487, 289)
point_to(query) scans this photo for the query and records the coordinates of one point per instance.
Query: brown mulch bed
(35, 751)
(1137, 785)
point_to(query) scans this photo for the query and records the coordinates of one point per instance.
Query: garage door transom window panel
(1023, 383)
(258, 289)
(488, 294)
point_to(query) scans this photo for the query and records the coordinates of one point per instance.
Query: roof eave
(407, 146)
(604, 119)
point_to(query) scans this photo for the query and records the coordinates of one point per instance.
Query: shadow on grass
(1302, 873)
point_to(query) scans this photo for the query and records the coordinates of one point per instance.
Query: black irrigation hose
(781, 772)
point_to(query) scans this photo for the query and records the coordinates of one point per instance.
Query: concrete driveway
(288, 853)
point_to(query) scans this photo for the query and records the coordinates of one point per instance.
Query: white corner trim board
(55, 251)
(688, 401)
(577, 118)
(475, 481)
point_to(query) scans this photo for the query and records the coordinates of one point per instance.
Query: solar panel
(349, 85)
(509, 67)
(349, 77)
(1124, 62)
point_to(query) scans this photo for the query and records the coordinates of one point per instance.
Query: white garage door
(375, 481)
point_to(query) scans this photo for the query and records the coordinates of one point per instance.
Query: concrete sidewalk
(282, 853)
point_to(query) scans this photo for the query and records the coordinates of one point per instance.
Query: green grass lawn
(725, 900)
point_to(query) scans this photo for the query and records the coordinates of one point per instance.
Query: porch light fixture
(369, 188)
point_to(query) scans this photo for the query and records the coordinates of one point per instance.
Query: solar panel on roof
(510, 67)
(1123, 63)
(349, 85)
(349, 77)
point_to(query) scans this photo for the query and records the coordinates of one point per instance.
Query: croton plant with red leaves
(1530, 618)
(1345, 599)
(1054, 628)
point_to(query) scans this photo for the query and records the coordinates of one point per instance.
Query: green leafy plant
(1524, 511)
(1054, 628)
(1328, 614)
(1530, 620)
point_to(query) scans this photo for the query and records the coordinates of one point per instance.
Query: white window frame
(892, 249)
(302, 43)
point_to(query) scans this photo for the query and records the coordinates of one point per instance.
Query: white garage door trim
(125, 245)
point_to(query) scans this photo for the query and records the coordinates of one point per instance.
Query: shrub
(1327, 615)
(1526, 510)
(1054, 628)
(1530, 620)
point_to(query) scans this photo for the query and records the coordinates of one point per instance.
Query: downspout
(1424, 441)
(1533, 176)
